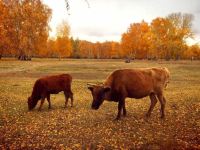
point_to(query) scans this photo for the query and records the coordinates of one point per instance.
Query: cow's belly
(54, 91)
(138, 96)
(139, 93)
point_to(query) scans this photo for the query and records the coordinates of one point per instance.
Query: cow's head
(98, 94)
(31, 103)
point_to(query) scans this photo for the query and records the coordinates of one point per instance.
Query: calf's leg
(162, 103)
(66, 98)
(48, 99)
(152, 105)
(68, 94)
(42, 101)
(72, 99)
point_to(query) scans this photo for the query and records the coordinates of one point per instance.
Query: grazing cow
(132, 83)
(45, 86)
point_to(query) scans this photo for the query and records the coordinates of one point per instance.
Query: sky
(106, 20)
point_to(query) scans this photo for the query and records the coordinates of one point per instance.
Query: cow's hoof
(148, 115)
(162, 117)
(117, 119)
(124, 114)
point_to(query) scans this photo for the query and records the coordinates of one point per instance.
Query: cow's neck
(108, 96)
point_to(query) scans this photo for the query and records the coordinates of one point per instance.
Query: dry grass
(82, 128)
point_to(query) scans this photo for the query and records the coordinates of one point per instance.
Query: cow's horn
(100, 83)
(91, 84)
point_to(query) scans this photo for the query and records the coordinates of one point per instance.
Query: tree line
(24, 33)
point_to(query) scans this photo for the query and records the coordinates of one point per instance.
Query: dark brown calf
(45, 86)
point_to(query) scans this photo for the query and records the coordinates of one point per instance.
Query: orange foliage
(24, 32)
(63, 43)
(4, 30)
(134, 41)
(193, 52)
(163, 38)
(61, 47)
(27, 26)
(99, 50)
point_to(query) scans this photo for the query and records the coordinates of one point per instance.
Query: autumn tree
(75, 48)
(115, 50)
(51, 48)
(160, 28)
(27, 26)
(163, 38)
(4, 34)
(63, 42)
(169, 35)
(181, 30)
(193, 52)
(133, 42)
(104, 49)
(23, 27)
(86, 49)
(108, 49)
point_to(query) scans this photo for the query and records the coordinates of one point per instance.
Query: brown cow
(132, 83)
(45, 86)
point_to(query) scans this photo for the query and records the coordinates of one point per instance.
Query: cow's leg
(48, 99)
(72, 99)
(124, 110)
(162, 103)
(120, 106)
(42, 101)
(66, 98)
(152, 105)
(164, 99)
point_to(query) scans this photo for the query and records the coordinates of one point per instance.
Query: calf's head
(31, 103)
(98, 94)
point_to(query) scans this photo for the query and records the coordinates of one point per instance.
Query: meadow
(80, 127)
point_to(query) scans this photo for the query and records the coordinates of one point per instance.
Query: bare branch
(68, 6)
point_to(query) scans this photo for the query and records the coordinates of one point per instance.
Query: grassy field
(80, 127)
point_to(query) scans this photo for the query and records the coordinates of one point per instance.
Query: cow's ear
(91, 88)
(106, 89)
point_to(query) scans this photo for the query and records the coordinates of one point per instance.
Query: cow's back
(56, 83)
(134, 83)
